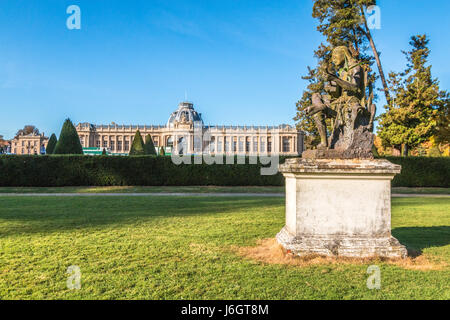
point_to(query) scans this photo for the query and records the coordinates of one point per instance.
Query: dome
(185, 114)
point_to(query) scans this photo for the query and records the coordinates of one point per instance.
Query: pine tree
(51, 144)
(418, 103)
(137, 147)
(104, 152)
(162, 152)
(149, 146)
(69, 141)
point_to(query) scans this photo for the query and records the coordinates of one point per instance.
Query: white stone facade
(185, 127)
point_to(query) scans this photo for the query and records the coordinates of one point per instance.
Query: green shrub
(51, 144)
(149, 147)
(69, 141)
(76, 170)
(137, 147)
(422, 172)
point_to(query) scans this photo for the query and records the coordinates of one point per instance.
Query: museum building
(186, 133)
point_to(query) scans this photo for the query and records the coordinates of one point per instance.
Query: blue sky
(240, 61)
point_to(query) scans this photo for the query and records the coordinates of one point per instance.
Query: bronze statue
(349, 106)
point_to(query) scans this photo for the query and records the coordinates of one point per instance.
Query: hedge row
(422, 172)
(75, 170)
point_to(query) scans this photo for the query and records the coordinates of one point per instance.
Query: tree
(149, 147)
(346, 21)
(162, 152)
(104, 152)
(417, 105)
(51, 144)
(305, 122)
(137, 147)
(69, 141)
(28, 129)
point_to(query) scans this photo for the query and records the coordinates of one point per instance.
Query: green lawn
(185, 248)
(190, 189)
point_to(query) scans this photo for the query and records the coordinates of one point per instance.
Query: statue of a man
(345, 102)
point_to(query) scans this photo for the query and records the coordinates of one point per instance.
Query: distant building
(29, 144)
(186, 133)
(5, 145)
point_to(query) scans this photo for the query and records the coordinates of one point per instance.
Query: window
(213, 144)
(119, 145)
(241, 144)
(286, 144)
(262, 146)
(255, 144)
(170, 142)
(113, 145)
(234, 145)
(227, 144)
(97, 143)
(126, 146)
(197, 144)
(156, 142)
(105, 144)
(247, 145)
(269, 144)
(219, 145)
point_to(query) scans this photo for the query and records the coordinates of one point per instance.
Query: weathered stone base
(338, 207)
(336, 246)
(337, 154)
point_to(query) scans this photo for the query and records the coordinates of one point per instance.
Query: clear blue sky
(240, 61)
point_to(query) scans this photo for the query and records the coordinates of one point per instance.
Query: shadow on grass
(418, 238)
(55, 214)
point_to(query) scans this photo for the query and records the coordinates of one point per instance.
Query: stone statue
(349, 105)
(338, 197)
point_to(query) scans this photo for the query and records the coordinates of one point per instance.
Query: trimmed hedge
(422, 172)
(76, 170)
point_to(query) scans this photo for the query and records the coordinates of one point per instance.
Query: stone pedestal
(339, 208)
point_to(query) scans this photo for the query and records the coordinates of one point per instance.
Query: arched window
(169, 142)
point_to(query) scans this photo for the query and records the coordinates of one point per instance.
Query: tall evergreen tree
(418, 103)
(162, 152)
(149, 146)
(137, 147)
(69, 141)
(51, 144)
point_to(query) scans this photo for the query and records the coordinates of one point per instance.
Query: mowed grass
(185, 248)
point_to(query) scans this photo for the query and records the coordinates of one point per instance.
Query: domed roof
(185, 114)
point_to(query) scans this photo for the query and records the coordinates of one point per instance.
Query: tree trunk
(377, 57)
(405, 150)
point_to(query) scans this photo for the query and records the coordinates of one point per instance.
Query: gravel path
(174, 194)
